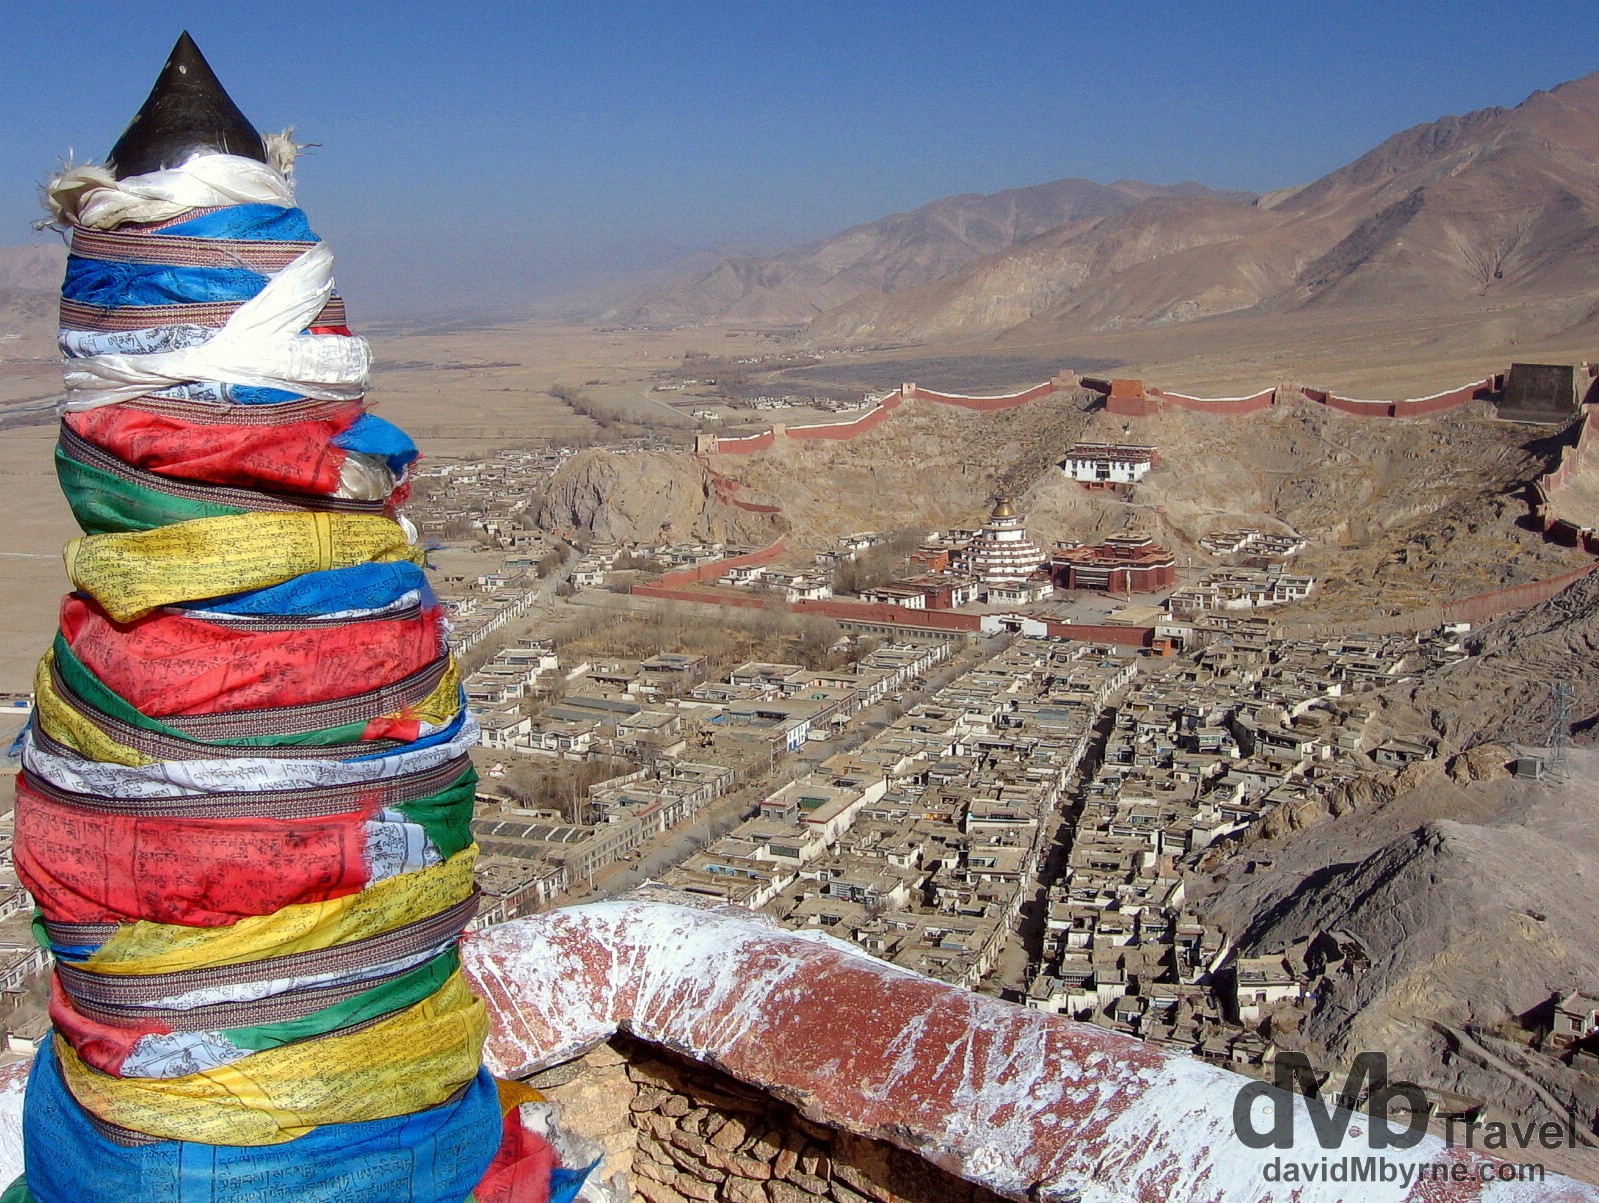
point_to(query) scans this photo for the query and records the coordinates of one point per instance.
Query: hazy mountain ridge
(897, 252)
(30, 289)
(1554, 115)
(1490, 211)
(1062, 270)
(34, 267)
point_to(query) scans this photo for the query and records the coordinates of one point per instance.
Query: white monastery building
(1001, 551)
(1107, 463)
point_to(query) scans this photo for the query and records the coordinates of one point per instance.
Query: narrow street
(1025, 951)
(677, 845)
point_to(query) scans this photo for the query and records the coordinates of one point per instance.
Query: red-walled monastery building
(1126, 564)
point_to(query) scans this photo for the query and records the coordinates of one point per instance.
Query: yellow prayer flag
(412, 1060)
(130, 574)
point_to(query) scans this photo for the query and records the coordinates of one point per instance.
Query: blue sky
(512, 150)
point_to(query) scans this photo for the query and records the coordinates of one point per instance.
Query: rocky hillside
(886, 256)
(1444, 911)
(1493, 214)
(928, 466)
(1472, 898)
(1398, 514)
(646, 498)
(1507, 691)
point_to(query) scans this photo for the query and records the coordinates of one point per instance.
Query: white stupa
(1002, 553)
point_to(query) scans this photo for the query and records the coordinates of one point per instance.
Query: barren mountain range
(1491, 218)
(889, 255)
(1494, 215)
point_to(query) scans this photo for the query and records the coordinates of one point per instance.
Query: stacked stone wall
(684, 1133)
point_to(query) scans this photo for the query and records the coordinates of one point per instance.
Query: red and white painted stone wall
(1029, 1105)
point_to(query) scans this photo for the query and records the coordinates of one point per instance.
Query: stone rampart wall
(1117, 636)
(1547, 488)
(1230, 406)
(870, 420)
(1485, 607)
(1144, 406)
(1412, 407)
(738, 599)
(746, 445)
(892, 615)
(987, 404)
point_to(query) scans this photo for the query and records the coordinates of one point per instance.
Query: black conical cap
(188, 112)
